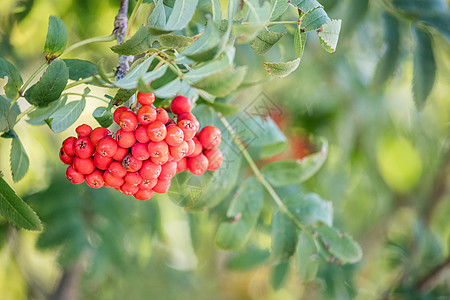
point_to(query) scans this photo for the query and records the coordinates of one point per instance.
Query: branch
(120, 30)
(429, 280)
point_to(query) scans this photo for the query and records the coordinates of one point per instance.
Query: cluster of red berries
(146, 152)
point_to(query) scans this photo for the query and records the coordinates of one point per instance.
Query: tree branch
(429, 280)
(120, 30)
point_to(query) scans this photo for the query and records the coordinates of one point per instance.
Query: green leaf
(243, 211)
(340, 245)
(102, 72)
(278, 8)
(139, 43)
(315, 19)
(415, 8)
(284, 237)
(282, 173)
(64, 117)
(279, 275)
(14, 79)
(299, 41)
(223, 83)
(306, 5)
(281, 69)
(388, 62)
(310, 208)
(56, 41)
(216, 11)
(130, 81)
(157, 19)
(15, 210)
(440, 21)
(177, 42)
(8, 115)
(207, 46)
(50, 85)
(207, 69)
(424, 71)
(224, 108)
(122, 96)
(329, 35)
(249, 258)
(103, 116)
(265, 40)
(38, 116)
(80, 69)
(306, 258)
(18, 159)
(169, 90)
(181, 14)
(355, 13)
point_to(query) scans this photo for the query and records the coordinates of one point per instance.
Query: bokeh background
(387, 174)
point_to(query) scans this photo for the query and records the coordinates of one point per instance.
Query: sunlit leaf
(80, 69)
(38, 116)
(342, 246)
(8, 115)
(139, 43)
(281, 69)
(19, 160)
(181, 14)
(177, 42)
(14, 79)
(315, 19)
(223, 83)
(265, 40)
(329, 35)
(56, 40)
(310, 209)
(64, 117)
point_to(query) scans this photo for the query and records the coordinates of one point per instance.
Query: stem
(84, 80)
(132, 17)
(108, 38)
(87, 96)
(36, 73)
(26, 112)
(120, 30)
(273, 23)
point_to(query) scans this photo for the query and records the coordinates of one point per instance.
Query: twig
(429, 280)
(120, 30)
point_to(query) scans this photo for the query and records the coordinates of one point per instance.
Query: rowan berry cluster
(141, 158)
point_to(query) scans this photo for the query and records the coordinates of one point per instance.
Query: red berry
(102, 162)
(190, 117)
(178, 152)
(144, 195)
(156, 131)
(133, 178)
(210, 137)
(160, 160)
(95, 179)
(125, 139)
(98, 134)
(162, 186)
(198, 165)
(191, 147)
(175, 135)
(83, 147)
(83, 165)
(131, 164)
(83, 130)
(128, 121)
(149, 170)
(145, 98)
(215, 158)
(67, 159)
(141, 134)
(111, 180)
(107, 147)
(118, 111)
(162, 115)
(146, 115)
(140, 151)
(120, 153)
(68, 145)
(198, 148)
(188, 127)
(168, 170)
(148, 184)
(74, 176)
(182, 165)
(157, 149)
(116, 169)
(129, 189)
(180, 104)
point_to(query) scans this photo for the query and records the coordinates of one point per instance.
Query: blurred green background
(387, 174)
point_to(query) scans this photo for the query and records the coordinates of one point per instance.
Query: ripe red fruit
(68, 145)
(162, 115)
(111, 180)
(148, 184)
(182, 165)
(188, 127)
(191, 147)
(128, 121)
(144, 194)
(145, 98)
(215, 158)
(83, 130)
(67, 159)
(95, 179)
(83, 147)
(116, 169)
(178, 152)
(175, 135)
(140, 151)
(120, 153)
(99, 133)
(157, 149)
(107, 147)
(160, 160)
(156, 131)
(149, 170)
(129, 189)
(180, 104)
(141, 134)
(210, 137)
(198, 165)
(74, 176)
(162, 186)
(131, 164)
(189, 116)
(133, 178)
(102, 162)
(198, 148)
(118, 111)
(168, 170)
(125, 139)
(146, 115)
(83, 165)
